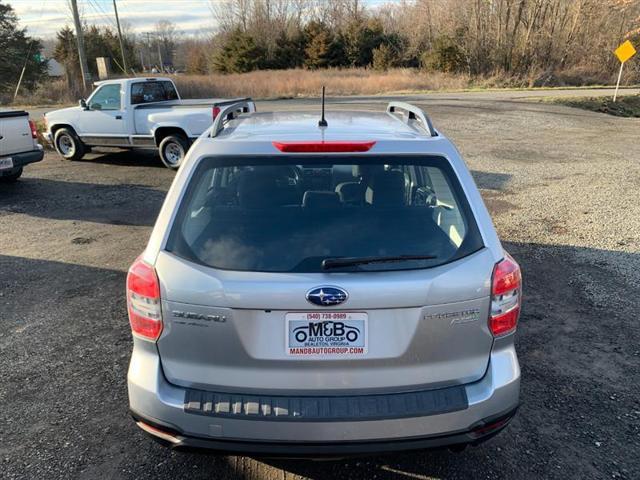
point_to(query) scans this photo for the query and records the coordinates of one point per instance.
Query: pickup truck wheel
(68, 144)
(173, 150)
(11, 178)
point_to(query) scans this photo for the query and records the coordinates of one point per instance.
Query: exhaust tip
(156, 432)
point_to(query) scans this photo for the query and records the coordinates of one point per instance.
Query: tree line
(538, 39)
(476, 37)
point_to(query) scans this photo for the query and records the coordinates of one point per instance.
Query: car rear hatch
(251, 301)
(229, 329)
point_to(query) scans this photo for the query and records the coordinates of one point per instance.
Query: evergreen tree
(360, 39)
(239, 53)
(98, 42)
(289, 51)
(322, 49)
(18, 48)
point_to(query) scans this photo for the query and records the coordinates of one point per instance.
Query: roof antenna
(323, 122)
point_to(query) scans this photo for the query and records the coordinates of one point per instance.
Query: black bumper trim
(327, 449)
(24, 158)
(326, 409)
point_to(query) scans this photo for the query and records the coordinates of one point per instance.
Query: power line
(98, 9)
(113, 57)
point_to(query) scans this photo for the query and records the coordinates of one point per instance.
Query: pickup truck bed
(193, 102)
(18, 144)
(196, 115)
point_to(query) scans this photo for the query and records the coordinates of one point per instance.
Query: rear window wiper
(329, 263)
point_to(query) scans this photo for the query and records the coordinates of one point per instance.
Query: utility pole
(159, 54)
(86, 76)
(124, 59)
(148, 34)
(157, 38)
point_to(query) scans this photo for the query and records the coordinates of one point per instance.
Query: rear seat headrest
(365, 170)
(255, 189)
(320, 199)
(351, 193)
(387, 189)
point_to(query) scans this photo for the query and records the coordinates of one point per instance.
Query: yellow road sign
(625, 51)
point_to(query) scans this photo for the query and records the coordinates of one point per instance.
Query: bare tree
(165, 38)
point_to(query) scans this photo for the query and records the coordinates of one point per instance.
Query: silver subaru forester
(323, 288)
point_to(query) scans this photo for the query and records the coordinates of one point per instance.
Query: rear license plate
(326, 334)
(5, 163)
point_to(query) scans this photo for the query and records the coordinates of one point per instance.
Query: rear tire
(11, 178)
(173, 149)
(68, 144)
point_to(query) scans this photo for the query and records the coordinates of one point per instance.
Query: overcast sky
(43, 18)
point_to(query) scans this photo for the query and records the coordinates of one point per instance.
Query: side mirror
(83, 104)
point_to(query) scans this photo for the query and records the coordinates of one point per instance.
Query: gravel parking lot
(562, 185)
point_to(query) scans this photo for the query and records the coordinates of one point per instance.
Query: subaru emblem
(327, 296)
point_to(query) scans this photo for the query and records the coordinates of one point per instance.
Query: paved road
(562, 186)
(451, 97)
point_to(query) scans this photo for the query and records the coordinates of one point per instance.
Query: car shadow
(66, 343)
(575, 338)
(413, 465)
(123, 157)
(112, 204)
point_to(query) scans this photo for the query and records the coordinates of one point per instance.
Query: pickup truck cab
(18, 144)
(132, 113)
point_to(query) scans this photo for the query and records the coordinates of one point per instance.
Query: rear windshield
(299, 215)
(148, 92)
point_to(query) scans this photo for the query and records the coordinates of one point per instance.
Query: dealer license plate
(5, 163)
(326, 334)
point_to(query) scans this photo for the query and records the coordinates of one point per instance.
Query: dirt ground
(562, 185)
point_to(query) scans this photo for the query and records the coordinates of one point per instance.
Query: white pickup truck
(18, 144)
(133, 113)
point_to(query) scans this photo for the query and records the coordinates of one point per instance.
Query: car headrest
(387, 189)
(365, 170)
(255, 189)
(351, 193)
(320, 199)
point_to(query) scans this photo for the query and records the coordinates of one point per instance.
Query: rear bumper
(22, 159)
(481, 432)
(160, 410)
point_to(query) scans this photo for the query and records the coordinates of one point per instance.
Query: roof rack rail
(230, 111)
(413, 113)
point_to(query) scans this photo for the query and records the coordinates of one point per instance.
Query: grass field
(274, 84)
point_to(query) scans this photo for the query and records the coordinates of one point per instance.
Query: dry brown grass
(51, 92)
(267, 84)
(299, 82)
(279, 84)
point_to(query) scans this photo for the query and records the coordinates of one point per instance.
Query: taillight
(143, 300)
(34, 130)
(506, 292)
(323, 147)
(215, 111)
